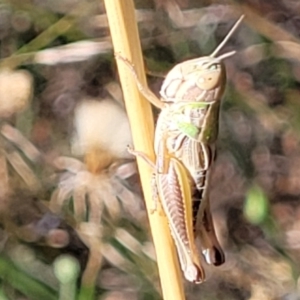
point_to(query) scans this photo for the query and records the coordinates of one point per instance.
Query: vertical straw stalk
(123, 28)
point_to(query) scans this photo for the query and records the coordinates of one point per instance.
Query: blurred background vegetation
(73, 223)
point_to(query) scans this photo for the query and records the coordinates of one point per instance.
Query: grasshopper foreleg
(147, 93)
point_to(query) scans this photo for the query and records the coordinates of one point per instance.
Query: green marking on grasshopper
(192, 105)
(188, 129)
(183, 123)
(198, 104)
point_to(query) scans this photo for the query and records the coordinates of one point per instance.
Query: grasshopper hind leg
(175, 195)
(204, 228)
(215, 253)
(154, 189)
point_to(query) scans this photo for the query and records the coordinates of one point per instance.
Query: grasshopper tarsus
(146, 92)
(153, 180)
(142, 155)
(128, 63)
(130, 150)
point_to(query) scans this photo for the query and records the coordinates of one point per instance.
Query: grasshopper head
(207, 72)
(198, 79)
(189, 80)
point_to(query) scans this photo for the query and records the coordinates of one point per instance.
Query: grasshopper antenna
(232, 30)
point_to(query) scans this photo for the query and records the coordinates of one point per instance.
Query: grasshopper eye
(209, 66)
(213, 67)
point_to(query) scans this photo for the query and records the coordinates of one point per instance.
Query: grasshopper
(184, 145)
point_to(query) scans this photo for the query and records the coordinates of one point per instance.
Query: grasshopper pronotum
(185, 135)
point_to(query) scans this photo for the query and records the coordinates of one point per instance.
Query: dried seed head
(101, 125)
(15, 91)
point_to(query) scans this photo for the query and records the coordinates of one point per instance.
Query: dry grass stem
(121, 17)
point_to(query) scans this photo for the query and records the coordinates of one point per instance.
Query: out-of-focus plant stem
(123, 28)
(264, 26)
(87, 291)
(66, 269)
(24, 283)
(27, 51)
